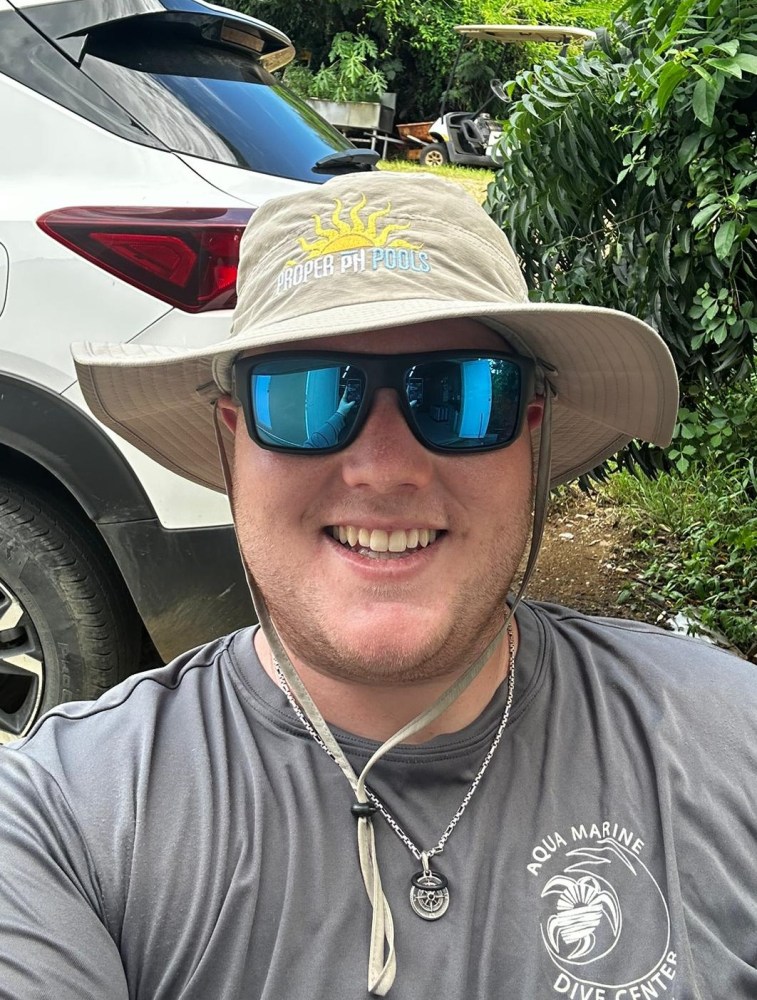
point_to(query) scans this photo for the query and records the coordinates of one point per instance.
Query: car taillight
(186, 256)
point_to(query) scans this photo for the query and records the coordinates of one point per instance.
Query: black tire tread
(55, 534)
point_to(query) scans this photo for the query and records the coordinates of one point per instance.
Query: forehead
(448, 334)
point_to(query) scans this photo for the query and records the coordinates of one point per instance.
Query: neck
(378, 711)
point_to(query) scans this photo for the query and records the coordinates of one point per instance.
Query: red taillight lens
(186, 256)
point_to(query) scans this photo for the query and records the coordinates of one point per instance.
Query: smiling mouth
(380, 544)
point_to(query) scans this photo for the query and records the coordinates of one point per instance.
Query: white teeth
(398, 541)
(379, 540)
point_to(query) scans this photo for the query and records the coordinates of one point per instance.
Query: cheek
(273, 491)
(494, 483)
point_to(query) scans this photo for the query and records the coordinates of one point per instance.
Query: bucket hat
(367, 251)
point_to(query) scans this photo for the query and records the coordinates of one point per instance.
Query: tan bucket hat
(366, 251)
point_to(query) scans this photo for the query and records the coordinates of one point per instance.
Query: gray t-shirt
(183, 838)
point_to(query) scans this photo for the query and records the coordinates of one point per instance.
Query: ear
(535, 412)
(229, 412)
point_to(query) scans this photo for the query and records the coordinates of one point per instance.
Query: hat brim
(614, 377)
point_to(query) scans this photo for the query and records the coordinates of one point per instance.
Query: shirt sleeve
(54, 935)
(328, 434)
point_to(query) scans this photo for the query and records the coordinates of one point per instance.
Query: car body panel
(177, 502)
(4, 272)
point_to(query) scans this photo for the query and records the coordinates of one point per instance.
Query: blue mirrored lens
(465, 403)
(312, 408)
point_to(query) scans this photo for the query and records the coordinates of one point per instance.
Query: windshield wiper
(361, 159)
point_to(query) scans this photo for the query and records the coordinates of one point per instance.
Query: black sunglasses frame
(381, 371)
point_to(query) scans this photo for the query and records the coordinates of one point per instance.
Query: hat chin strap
(382, 962)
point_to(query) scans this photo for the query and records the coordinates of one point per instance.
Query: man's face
(421, 613)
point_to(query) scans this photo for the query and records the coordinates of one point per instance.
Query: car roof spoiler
(67, 24)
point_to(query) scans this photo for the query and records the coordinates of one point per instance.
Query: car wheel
(68, 627)
(434, 155)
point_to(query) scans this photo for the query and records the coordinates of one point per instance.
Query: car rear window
(208, 100)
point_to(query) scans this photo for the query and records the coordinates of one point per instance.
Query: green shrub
(718, 427)
(629, 180)
(348, 76)
(697, 536)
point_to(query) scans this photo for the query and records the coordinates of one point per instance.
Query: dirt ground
(585, 560)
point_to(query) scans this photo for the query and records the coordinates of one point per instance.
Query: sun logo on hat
(357, 234)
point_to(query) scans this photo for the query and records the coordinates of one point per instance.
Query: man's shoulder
(129, 712)
(646, 654)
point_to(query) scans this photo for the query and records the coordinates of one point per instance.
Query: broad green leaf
(709, 198)
(724, 240)
(549, 87)
(670, 77)
(548, 103)
(704, 102)
(731, 47)
(705, 215)
(729, 66)
(528, 104)
(701, 71)
(744, 180)
(688, 149)
(746, 62)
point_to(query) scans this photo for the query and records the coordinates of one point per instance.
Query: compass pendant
(429, 895)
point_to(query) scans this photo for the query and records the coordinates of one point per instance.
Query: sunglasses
(305, 402)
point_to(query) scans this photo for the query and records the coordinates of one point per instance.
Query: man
(395, 786)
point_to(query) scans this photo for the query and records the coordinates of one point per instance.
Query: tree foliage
(350, 74)
(629, 179)
(417, 43)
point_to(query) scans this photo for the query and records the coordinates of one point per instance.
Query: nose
(386, 456)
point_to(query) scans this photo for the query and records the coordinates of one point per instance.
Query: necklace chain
(419, 855)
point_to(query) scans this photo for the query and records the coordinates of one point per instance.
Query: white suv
(136, 139)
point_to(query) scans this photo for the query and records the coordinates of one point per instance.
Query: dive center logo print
(362, 242)
(604, 921)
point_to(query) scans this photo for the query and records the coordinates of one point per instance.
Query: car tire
(68, 627)
(434, 155)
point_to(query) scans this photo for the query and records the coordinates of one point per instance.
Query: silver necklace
(429, 890)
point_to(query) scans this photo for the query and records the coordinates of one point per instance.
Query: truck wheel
(434, 155)
(68, 627)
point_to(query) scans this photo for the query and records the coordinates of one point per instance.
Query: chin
(384, 648)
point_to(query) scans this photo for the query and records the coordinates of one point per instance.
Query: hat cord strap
(382, 961)
(541, 493)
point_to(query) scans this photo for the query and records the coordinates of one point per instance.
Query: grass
(697, 536)
(474, 179)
